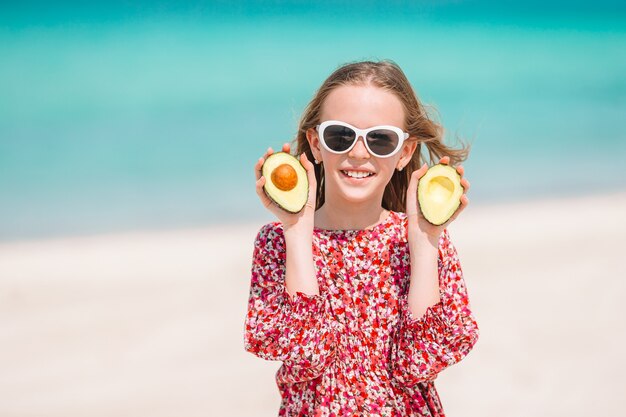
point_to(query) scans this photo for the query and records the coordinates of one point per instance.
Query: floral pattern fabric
(356, 349)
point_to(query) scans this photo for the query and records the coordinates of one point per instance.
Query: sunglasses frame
(402, 136)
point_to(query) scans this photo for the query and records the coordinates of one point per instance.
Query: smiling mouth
(357, 175)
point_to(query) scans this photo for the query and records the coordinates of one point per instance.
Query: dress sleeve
(295, 330)
(446, 332)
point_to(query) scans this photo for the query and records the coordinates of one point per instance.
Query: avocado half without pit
(286, 181)
(439, 193)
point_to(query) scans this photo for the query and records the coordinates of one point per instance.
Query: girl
(358, 295)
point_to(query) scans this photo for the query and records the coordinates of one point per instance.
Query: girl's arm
(297, 229)
(424, 239)
(300, 274)
(424, 281)
(279, 326)
(445, 333)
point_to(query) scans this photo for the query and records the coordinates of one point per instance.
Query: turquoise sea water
(113, 119)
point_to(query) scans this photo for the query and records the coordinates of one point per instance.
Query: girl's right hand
(305, 217)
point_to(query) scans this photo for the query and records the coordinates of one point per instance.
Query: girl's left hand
(418, 226)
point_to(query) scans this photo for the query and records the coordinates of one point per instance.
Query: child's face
(362, 107)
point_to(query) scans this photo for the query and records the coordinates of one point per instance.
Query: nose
(359, 151)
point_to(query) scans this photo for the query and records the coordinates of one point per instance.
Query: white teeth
(355, 174)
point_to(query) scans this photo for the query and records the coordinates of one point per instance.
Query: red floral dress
(355, 349)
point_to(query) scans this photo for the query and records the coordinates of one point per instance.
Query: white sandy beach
(151, 323)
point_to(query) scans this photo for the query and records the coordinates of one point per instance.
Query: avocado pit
(284, 177)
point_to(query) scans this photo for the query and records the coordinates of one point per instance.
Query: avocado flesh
(286, 181)
(439, 193)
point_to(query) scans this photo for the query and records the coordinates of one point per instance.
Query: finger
(412, 205)
(464, 203)
(415, 176)
(420, 172)
(267, 202)
(286, 147)
(267, 153)
(304, 160)
(261, 161)
(460, 170)
(257, 167)
(445, 160)
(310, 171)
(466, 184)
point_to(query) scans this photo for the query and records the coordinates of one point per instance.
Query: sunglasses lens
(339, 138)
(382, 141)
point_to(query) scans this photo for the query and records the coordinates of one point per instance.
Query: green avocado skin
(277, 202)
(419, 196)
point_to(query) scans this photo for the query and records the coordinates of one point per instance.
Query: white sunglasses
(381, 141)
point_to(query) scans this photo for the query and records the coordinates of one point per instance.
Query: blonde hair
(385, 74)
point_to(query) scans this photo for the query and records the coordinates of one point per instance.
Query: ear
(314, 142)
(408, 148)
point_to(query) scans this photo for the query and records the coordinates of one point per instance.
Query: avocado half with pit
(286, 181)
(439, 193)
